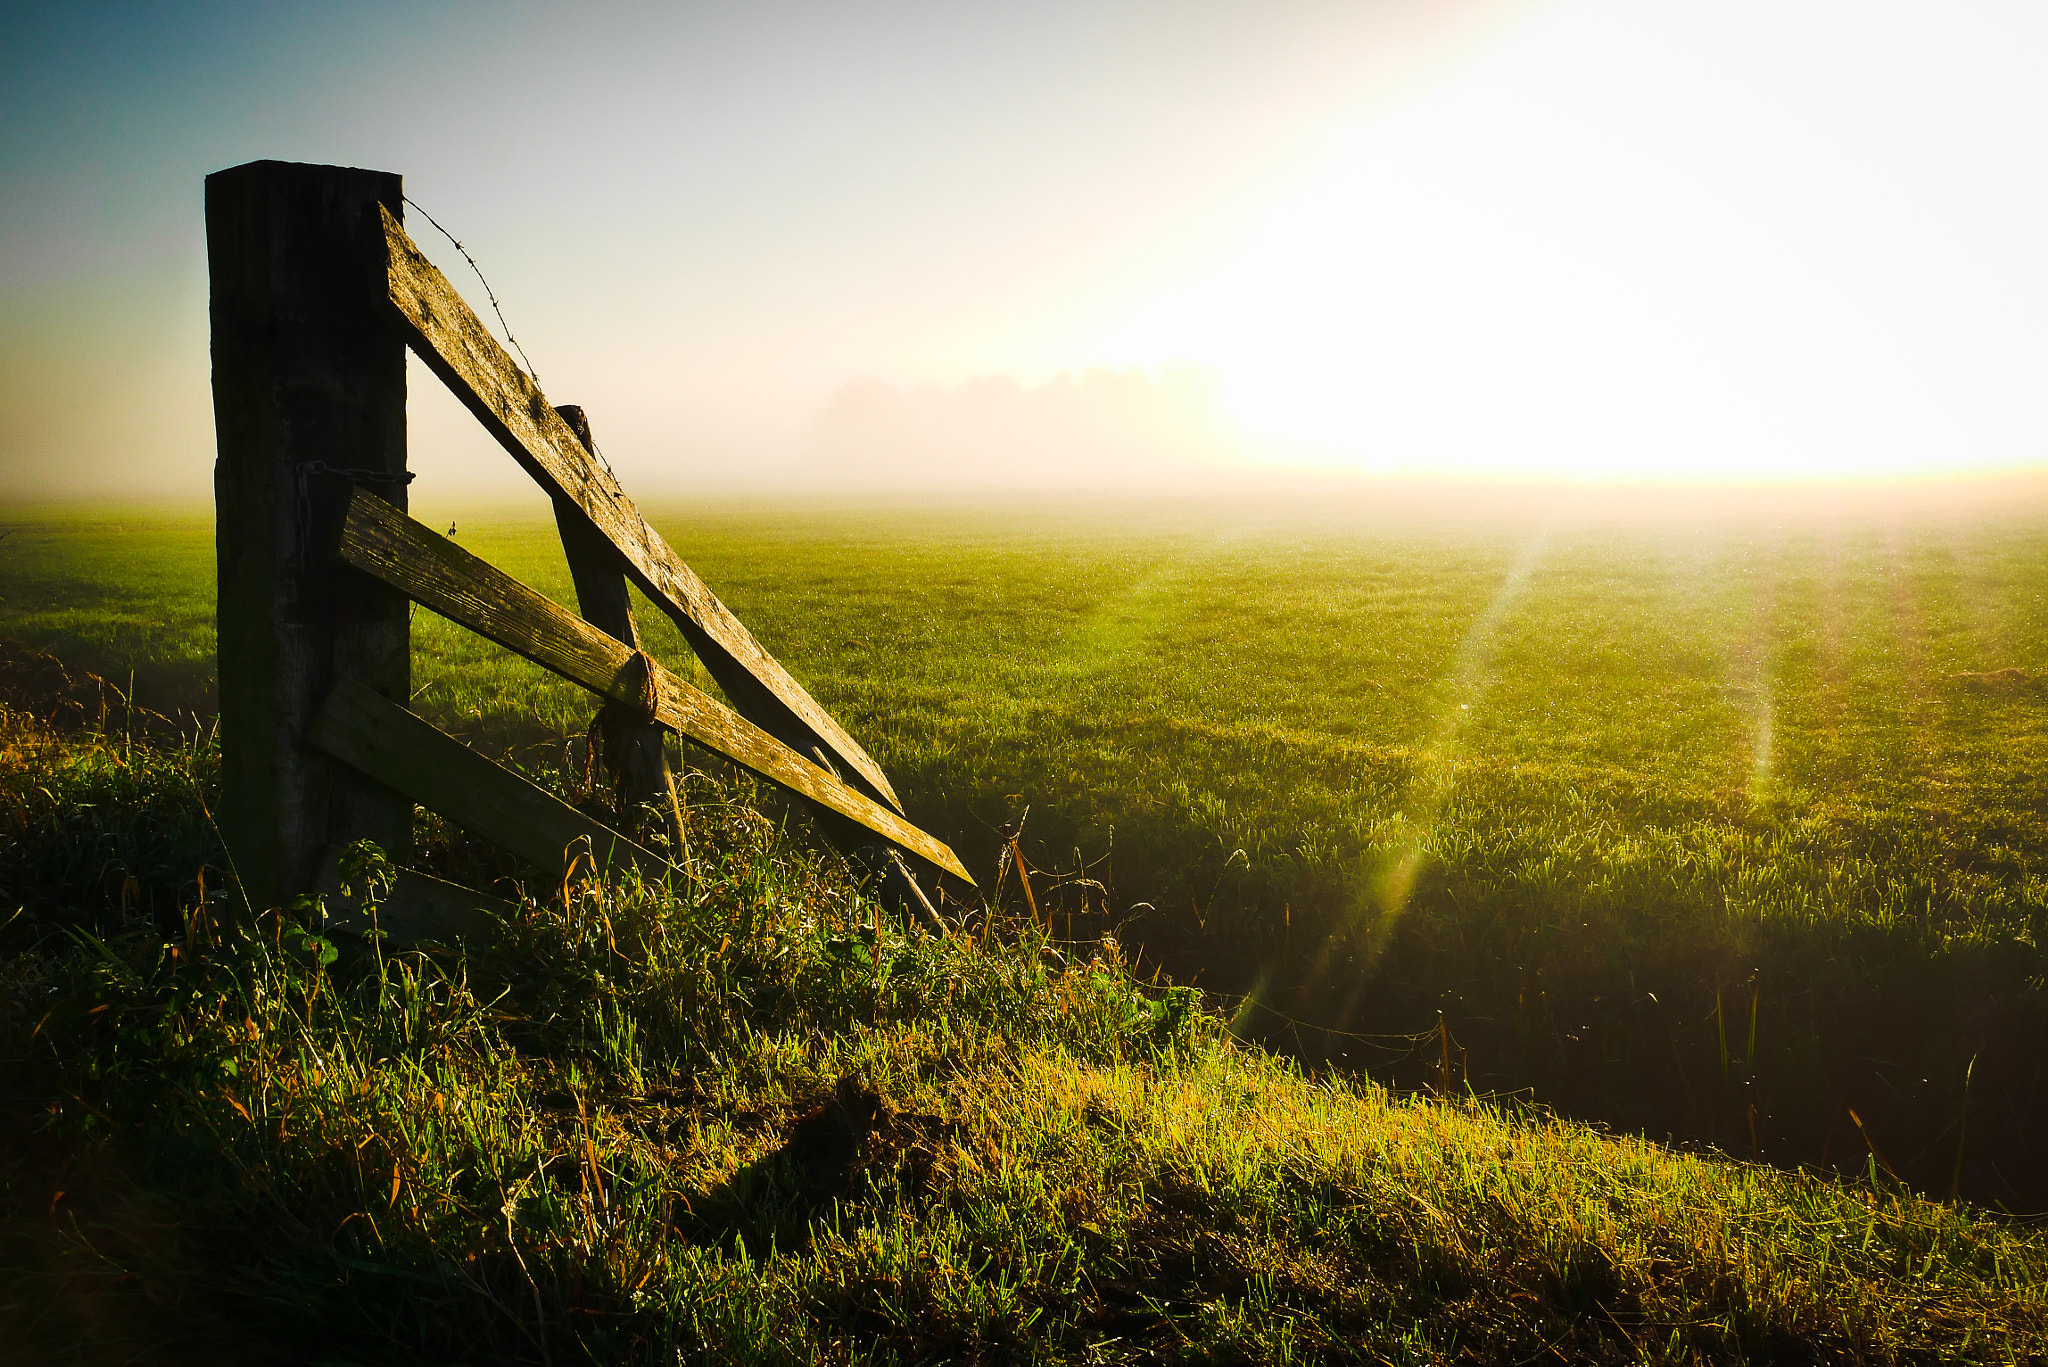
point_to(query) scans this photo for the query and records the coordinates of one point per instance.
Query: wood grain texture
(412, 756)
(309, 394)
(438, 574)
(457, 347)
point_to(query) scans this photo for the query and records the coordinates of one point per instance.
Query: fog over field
(909, 250)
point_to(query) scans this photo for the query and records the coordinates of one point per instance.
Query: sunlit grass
(1575, 781)
(749, 1120)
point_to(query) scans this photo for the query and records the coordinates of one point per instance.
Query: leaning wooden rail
(434, 572)
(456, 346)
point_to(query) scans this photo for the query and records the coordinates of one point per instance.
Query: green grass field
(1713, 825)
(745, 1120)
(1718, 823)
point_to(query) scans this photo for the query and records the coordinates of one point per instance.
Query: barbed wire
(1241, 1001)
(488, 291)
(532, 371)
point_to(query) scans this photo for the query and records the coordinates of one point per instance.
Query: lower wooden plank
(404, 752)
(418, 910)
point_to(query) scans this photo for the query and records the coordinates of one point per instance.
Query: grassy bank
(1724, 826)
(744, 1120)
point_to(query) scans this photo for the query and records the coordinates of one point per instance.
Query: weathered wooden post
(634, 747)
(309, 399)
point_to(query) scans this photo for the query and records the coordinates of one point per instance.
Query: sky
(903, 248)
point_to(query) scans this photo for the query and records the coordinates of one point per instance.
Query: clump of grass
(102, 805)
(748, 1119)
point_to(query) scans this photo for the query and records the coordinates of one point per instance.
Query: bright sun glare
(1657, 241)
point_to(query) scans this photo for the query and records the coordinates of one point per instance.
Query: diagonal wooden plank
(438, 574)
(368, 731)
(460, 349)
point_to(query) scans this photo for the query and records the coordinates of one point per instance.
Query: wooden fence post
(635, 749)
(309, 399)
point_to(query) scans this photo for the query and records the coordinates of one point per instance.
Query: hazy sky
(898, 245)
